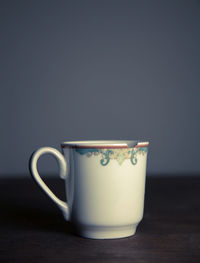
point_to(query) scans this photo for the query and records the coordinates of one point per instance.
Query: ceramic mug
(105, 185)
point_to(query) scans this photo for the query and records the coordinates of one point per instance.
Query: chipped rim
(105, 144)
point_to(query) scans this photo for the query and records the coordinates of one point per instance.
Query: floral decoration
(118, 154)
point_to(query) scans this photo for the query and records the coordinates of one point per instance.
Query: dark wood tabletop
(32, 228)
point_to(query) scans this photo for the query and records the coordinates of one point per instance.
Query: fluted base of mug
(95, 232)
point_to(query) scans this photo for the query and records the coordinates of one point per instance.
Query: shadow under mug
(104, 182)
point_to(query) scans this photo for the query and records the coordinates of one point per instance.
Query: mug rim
(102, 144)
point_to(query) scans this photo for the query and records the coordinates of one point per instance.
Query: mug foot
(96, 232)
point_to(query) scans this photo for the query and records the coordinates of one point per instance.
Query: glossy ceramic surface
(105, 185)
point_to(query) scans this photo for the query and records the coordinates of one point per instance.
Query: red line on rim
(103, 146)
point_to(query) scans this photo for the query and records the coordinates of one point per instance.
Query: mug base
(96, 232)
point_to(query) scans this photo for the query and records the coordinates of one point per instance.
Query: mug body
(105, 186)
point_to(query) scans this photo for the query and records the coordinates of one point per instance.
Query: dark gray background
(100, 70)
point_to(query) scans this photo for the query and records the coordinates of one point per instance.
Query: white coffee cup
(105, 185)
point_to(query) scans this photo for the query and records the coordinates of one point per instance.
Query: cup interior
(105, 143)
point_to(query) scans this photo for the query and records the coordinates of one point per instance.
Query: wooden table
(33, 230)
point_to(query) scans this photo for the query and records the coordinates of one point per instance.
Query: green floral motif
(114, 154)
(134, 152)
(106, 158)
(133, 157)
(120, 158)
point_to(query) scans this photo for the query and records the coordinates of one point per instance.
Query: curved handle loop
(35, 175)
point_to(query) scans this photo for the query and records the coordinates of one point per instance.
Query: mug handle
(63, 171)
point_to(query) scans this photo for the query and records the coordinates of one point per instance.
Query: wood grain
(33, 230)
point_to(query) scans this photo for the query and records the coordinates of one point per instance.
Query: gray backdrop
(100, 70)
